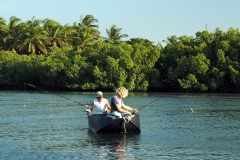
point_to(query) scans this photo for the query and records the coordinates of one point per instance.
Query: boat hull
(110, 123)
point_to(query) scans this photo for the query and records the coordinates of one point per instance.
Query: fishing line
(54, 94)
(149, 103)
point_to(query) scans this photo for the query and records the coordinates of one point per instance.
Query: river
(40, 125)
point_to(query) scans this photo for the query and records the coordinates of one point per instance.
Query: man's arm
(129, 108)
(120, 109)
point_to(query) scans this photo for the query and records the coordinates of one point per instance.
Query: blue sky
(154, 20)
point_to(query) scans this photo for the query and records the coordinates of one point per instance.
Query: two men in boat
(116, 107)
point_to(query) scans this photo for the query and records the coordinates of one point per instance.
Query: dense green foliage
(207, 63)
(47, 54)
(104, 66)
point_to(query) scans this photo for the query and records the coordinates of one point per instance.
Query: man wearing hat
(100, 105)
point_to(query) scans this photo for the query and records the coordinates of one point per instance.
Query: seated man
(118, 108)
(100, 105)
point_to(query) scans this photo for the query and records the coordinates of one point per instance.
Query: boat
(111, 123)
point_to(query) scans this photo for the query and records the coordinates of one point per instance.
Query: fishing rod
(149, 103)
(55, 94)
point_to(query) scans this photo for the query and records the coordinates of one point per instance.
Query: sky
(155, 20)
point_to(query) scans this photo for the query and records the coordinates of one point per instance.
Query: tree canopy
(77, 57)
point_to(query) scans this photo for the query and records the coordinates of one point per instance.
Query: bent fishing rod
(55, 94)
(149, 103)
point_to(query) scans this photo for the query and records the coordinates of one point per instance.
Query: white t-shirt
(99, 107)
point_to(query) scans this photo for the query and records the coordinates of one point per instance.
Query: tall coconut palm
(69, 33)
(55, 32)
(14, 32)
(35, 38)
(86, 32)
(114, 35)
(88, 22)
(85, 40)
(3, 32)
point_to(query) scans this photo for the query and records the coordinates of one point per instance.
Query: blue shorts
(119, 114)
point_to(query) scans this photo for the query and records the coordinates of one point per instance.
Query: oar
(55, 94)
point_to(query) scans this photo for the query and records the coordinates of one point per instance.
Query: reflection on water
(43, 126)
(114, 145)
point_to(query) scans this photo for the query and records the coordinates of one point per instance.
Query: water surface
(37, 125)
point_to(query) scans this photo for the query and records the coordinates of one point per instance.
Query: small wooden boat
(111, 123)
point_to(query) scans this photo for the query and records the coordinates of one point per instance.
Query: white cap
(99, 94)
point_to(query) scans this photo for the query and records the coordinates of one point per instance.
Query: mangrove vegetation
(77, 57)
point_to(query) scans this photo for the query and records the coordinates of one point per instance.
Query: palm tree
(113, 35)
(69, 33)
(14, 32)
(85, 41)
(88, 22)
(86, 32)
(35, 38)
(55, 32)
(3, 32)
